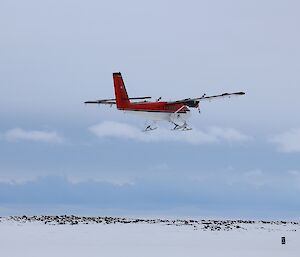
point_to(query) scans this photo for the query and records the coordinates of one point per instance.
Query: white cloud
(18, 134)
(18, 179)
(107, 180)
(232, 177)
(212, 135)
(160, 167)
(288, 141)
(15, 181)
(228, 134)
(295, 173)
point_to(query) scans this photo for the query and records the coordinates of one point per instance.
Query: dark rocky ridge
(211, 225)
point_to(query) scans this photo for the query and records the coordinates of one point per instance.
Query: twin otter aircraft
(176, 112)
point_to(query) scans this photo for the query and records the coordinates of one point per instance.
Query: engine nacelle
(192, 103)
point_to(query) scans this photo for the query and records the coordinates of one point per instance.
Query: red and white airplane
(176, 112)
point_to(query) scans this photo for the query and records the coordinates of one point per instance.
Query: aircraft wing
(224, 95)
(192, 102)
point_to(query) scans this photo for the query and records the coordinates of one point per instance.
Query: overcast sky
(240, 160)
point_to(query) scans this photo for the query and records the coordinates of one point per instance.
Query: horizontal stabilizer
(113, 100)
(140, 98)
(101, 102)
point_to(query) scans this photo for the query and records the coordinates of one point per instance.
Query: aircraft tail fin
(122, 99)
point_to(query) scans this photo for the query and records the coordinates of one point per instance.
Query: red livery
(176, 112)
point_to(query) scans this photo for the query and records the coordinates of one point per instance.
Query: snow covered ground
(105, 236)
